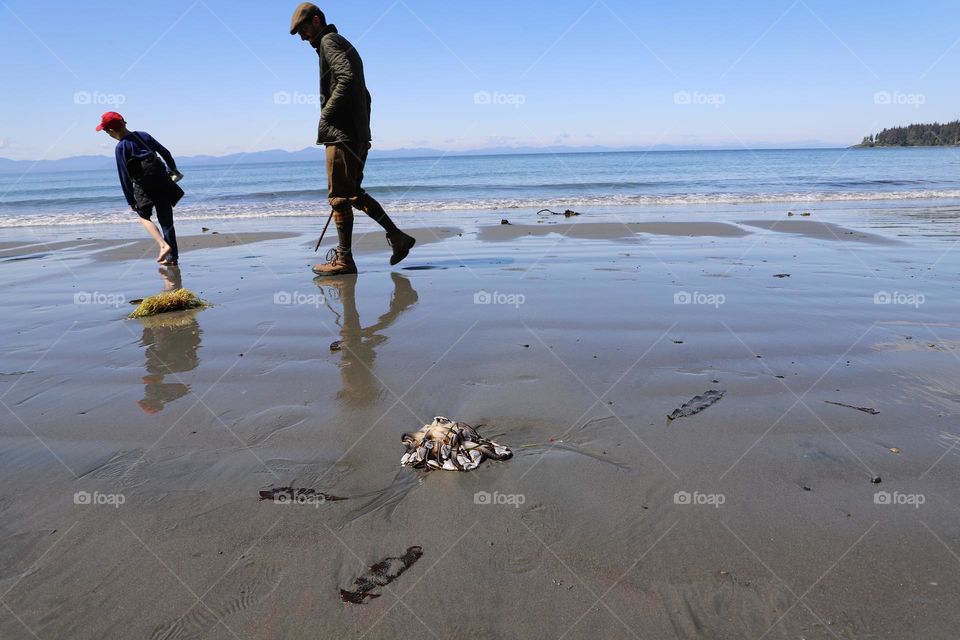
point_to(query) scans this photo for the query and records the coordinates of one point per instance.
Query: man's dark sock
(343, 218)
(373, 209)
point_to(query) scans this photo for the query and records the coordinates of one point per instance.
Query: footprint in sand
(120, 468)
(258, 429)
(724, 606)
(115, 467)
(541, 527)
(242, 588)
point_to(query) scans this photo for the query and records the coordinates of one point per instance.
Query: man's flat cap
(305, 11)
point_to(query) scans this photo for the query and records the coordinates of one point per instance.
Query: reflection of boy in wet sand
(357, 343)
(171, 347)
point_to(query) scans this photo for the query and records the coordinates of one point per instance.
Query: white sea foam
(241, 211)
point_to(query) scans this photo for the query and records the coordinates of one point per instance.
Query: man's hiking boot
(337, 264)
(401, 244)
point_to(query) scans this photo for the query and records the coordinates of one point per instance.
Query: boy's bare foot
(165, 251)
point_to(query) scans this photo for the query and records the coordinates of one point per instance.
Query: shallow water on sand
(757, 515)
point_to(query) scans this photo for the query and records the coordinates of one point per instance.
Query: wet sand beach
(132, 451)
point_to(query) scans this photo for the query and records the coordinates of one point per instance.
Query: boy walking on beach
(345, 131)
(146, 183)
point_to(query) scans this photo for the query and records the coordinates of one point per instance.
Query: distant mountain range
(93, 163)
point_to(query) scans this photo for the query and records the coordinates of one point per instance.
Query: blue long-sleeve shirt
(138, 144)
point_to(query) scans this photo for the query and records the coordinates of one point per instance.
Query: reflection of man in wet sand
(357, 344)
(171, 342)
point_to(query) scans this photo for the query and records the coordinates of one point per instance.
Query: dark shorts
(145, 205)
(345, 162)
(146, 211)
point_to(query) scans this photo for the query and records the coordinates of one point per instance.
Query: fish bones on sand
(454, 446)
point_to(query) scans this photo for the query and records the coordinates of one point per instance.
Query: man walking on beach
(345, 131)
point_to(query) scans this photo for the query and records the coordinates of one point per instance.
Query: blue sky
(218, 77)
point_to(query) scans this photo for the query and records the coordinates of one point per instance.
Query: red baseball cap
(109, 119)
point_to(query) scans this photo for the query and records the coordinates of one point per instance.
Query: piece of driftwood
(869, 410)
(697, 404)
(379, 575)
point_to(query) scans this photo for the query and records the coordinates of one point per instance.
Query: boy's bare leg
(151, 228)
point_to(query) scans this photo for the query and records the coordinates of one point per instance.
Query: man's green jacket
(343, 92)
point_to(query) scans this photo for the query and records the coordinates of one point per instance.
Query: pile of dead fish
(454, 446)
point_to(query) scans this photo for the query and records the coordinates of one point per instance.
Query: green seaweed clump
(177, 300)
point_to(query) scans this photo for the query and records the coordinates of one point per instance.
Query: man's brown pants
(345, 164)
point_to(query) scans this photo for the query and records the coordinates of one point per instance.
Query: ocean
(588, 181)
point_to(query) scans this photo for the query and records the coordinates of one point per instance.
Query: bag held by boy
(150, 174)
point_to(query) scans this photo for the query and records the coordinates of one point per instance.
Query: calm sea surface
(587, 180)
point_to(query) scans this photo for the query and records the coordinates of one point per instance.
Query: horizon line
(546, 150)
